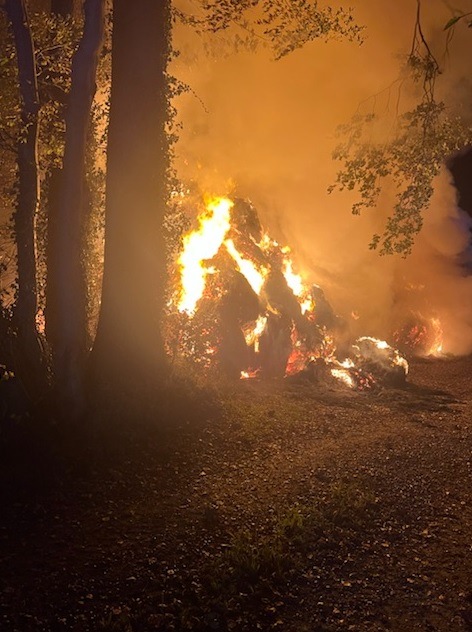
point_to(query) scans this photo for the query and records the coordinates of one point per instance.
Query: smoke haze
(266, 130)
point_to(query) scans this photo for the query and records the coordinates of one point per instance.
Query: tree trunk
(29, 356)
(128, 345)
(63, 8)
(70, 345)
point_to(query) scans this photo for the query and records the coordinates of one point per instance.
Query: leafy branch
(457, 18)
(283, 25)
(410, 155)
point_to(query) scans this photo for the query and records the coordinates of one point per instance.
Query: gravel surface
(292, 507)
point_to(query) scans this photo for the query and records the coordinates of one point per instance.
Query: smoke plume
(266, 130)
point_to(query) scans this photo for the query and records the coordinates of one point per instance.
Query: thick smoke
(266, 130)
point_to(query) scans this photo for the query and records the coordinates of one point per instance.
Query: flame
(199, 246)
(344, 376)
(252, 333)
(298, 357)
(436, 348)
(311, 343)
(391, 355)
(412, 338)
(295, 283)
(254, 276)
(399, 360)
(267, 244)
(380, 344)
(248, 375)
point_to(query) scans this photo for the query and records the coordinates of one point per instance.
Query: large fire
(265, 318)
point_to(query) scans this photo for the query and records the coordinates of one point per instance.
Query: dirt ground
(289, 506)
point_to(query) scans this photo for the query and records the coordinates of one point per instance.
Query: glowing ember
(298, 357)
(421, 335)
(199, 246)
(255, 277)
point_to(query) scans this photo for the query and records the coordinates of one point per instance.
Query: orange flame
(254, 331)
(437, 346)
(248, 375)
(254, 276)
(344, 376)
(295, 283)
(199, 246)
(310, 343)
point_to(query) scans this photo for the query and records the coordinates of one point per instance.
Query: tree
(61, 9)
(70, 345)
(128, 341)
(66, 274)
(28, 353)
(423, 139)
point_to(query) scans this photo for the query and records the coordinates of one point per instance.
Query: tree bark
(53, 262)
(29, 356)
(69, 277)
(128, 345)
(61, 8)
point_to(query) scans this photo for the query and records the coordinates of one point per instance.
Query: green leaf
(453, 21)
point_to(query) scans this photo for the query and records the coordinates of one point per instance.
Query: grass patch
(349, 506)
(251, 558)
(258, 559)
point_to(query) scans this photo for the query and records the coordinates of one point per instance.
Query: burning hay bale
(263, 319)
(381, 360)
(420, 336)
(275, 345)
(238, 305)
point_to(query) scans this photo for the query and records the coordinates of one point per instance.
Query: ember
(421, 336)
(266, 321)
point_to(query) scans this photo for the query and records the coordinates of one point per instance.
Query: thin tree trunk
(70, 350)
(128, 345)
(61, 8)
(29, 358)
